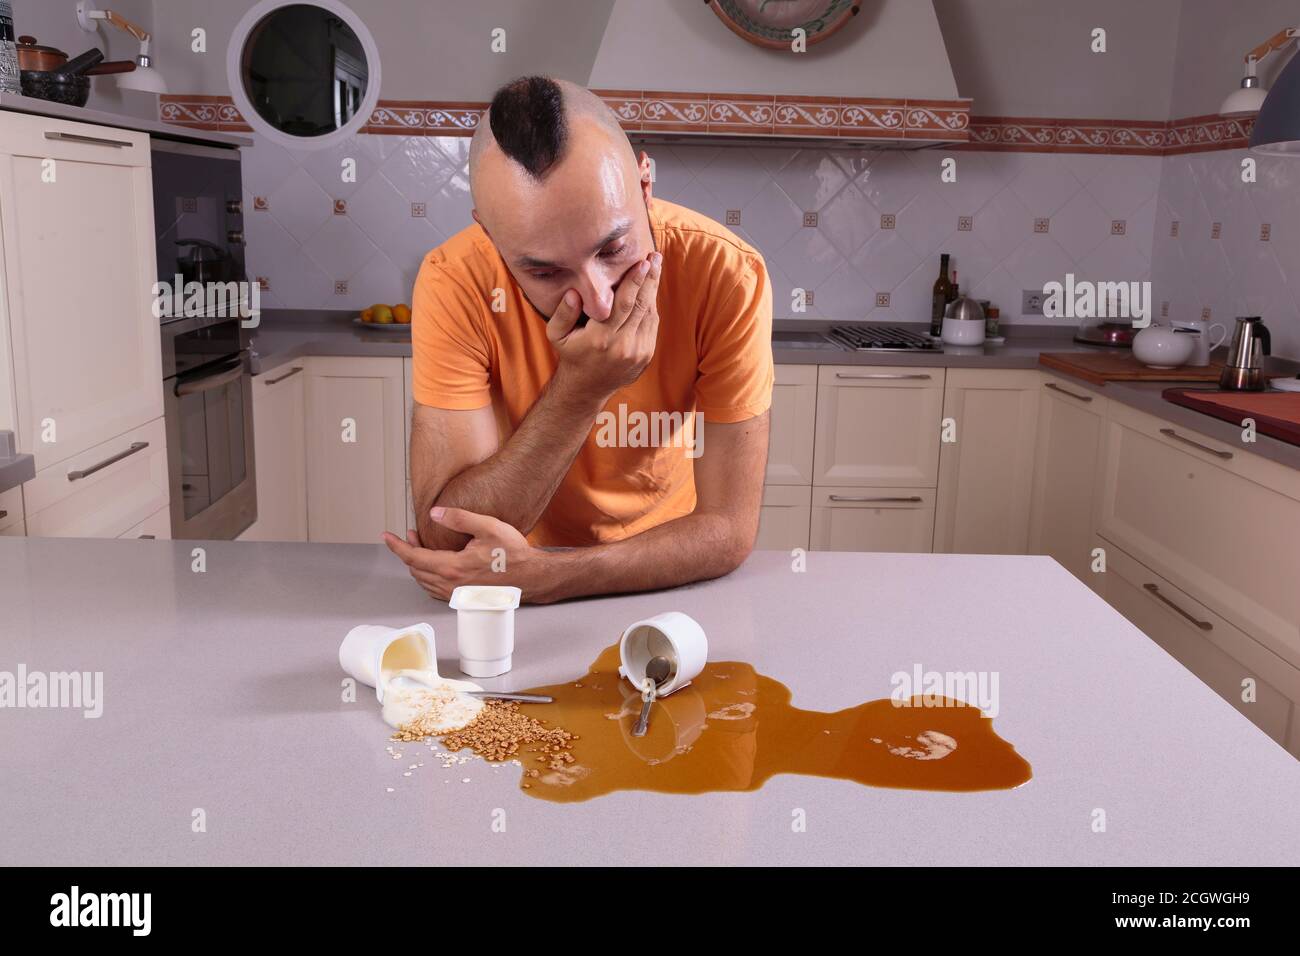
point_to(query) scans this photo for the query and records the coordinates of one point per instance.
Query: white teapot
(1161, 347)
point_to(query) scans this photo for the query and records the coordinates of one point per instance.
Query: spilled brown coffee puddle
(733, 728)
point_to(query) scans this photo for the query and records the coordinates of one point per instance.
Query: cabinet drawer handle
(1065, 391)
(289, 374)
(1203, 625)
(91, 140)
(1225, 455)
(86, 472)
(4, 514)
(910, 498)
(881, 375)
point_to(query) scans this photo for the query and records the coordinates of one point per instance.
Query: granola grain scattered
(500, 730)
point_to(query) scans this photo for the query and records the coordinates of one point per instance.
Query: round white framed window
(303, 73)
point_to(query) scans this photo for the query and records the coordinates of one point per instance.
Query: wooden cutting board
(1276, 414)
(1123, 366)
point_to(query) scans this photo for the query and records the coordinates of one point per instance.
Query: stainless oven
(207, 385)
(208, 402)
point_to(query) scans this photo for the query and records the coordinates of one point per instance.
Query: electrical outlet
(1031, 302)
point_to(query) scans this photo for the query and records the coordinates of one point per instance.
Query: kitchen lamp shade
(143, 78)
(1277, 129)
(1245, 101)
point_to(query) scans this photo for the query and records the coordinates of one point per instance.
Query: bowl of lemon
(387, 318)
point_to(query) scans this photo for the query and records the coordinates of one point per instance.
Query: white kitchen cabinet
(877, 426)
(1220, 524)
(11, 513)
(1221, 655)
(76, 215)
(356, 462)
(104, 491)
(407, 380)
(784, 518)
(986, 473)
(1071, 420)
(280, 453)
(792, 423)
(409, 406)
(157, 526)
(852, 518)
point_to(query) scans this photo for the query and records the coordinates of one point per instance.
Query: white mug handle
(1222, 328)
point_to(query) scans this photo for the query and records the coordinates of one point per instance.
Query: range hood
(882, 80)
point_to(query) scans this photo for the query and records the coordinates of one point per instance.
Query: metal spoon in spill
(656, 670)
(407, 681)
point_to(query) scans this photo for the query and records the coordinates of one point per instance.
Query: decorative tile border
(865, 119)
(200, 111)
(419, 117)
(1122, 137)
(751, 114)
(641, 111)
(1197, 134)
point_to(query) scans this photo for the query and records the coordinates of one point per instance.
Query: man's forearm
(517, 482)
(694, 547)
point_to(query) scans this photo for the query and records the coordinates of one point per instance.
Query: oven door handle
(192, 386)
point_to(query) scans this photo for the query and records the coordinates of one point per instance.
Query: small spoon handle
(522, 698)
(643, 721)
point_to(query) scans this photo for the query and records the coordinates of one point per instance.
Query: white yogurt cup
(370, 653)
(673, 635)
(485, 627)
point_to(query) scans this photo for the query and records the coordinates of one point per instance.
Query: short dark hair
(529, 124)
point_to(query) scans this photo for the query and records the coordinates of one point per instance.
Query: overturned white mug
(671, 635)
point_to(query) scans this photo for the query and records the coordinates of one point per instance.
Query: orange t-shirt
(635, 470)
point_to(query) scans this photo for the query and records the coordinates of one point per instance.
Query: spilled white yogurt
(438, 708)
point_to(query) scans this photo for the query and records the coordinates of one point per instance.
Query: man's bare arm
(711, 541)
(456, 462)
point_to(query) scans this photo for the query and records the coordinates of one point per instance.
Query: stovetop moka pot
(1244, 369)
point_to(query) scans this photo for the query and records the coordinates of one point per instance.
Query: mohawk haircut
(529, 122)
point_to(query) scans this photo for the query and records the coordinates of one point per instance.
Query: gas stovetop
(881, 338)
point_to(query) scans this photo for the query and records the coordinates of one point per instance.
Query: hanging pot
(33, 56)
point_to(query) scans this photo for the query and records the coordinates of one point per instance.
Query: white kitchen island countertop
(222, 702)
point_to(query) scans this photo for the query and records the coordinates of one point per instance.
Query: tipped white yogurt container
(485, 627)
(371, 653)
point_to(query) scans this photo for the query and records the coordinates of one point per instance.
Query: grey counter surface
(222, 693)
(284, 335)
(17, 103)
(287, 334)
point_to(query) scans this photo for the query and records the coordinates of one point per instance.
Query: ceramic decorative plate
(769, 22)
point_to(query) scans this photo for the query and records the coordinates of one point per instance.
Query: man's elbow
(736, 556)
(736, 544)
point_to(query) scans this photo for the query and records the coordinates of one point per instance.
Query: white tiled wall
(847, 259)
(305, 249)
(1247, 269)
(851, 256)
